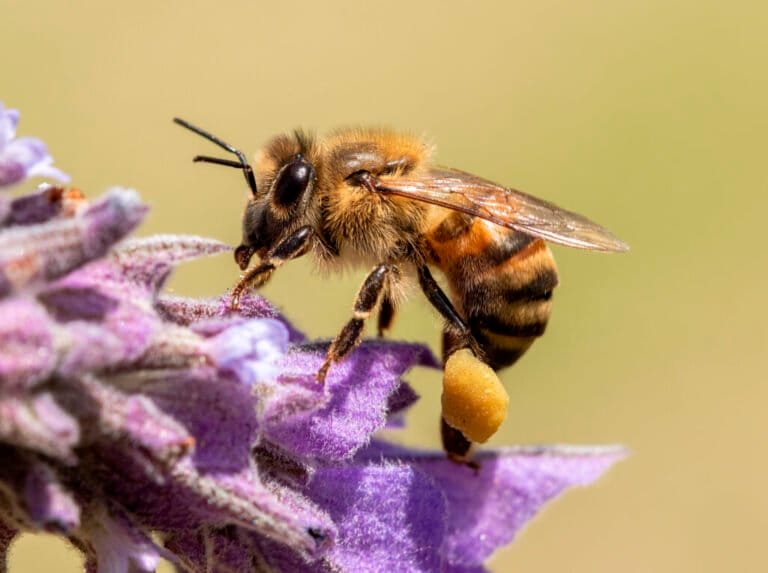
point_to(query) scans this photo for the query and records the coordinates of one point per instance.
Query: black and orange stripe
(501, 282)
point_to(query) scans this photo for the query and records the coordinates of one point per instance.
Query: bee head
(277, 208)
(278, 203)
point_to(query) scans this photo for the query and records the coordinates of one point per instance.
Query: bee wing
(460, 191)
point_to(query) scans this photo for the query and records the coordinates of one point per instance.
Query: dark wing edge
(467, 193)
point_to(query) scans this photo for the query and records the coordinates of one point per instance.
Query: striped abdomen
(501, 282)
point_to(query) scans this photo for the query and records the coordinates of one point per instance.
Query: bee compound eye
(292, 182)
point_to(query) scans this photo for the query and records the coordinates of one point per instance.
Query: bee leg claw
(294, 245)
(463, 461)
(321, 374)
(254, 278)
(473, 465)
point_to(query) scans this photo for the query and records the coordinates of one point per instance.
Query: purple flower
(24, 157)
(142, 426)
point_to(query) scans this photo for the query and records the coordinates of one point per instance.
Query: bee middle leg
(293, 246)
(374, 286)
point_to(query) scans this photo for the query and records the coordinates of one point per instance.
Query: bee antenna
(242, 164)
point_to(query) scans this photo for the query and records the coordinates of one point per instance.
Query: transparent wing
(470, 194)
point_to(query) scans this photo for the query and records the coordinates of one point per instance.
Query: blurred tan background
(650, 117)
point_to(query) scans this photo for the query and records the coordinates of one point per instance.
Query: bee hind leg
(456, 445)
(368, 297)
(460, 335)
(387, 313)
(456, 336)
(291, 247)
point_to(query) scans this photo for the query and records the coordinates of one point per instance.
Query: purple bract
(22, 157)
(142, 426)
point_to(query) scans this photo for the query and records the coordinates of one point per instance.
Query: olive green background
(650, 117)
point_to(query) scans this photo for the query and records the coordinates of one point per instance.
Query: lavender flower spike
(141, 426)
(24, 157)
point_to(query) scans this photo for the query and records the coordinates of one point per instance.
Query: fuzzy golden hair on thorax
(379, 150)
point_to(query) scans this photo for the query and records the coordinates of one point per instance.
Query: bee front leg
(367, 299)
(293, 246)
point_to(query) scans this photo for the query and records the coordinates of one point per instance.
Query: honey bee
(374, 198)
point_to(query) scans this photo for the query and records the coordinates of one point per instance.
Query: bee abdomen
(507, 303)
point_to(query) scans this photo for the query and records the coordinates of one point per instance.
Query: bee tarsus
(368, 297)
(294, 245)
(457, 446)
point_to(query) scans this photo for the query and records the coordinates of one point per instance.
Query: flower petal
(116, 416)
(391, 517)
(279, 513)
(399, 401)
(109, 219)
(45, 203)
(28, 156)
(40, 424)
(113, 543)
(9, 119)
(352, 406)
(147, 262)
(188, 311)
(219, 413)
(23, 157)
(213, 549)
(43, 252)
(48, 502)
(46, 170)
(11, 172)
(487, 507)
(69, 303)
(219, 482)
(26, 339)
(26, 151)
(116, 343)
(189, 499)
(250, 350)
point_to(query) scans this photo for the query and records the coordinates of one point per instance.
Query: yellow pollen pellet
(474, 401)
